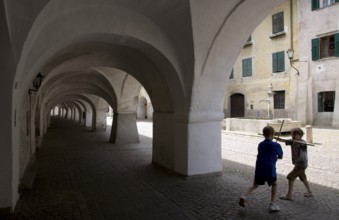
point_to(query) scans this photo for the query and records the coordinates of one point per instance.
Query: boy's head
(268, 132)
(297, 133)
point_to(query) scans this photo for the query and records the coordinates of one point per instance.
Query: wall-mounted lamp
(290, 56)
(36, 83)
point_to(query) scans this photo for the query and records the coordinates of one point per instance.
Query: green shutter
(315, 4)
(336, 0)
(315, 49)
(278, 22)
(281, 61)
(247, 67)
(278, 62)
(336, 44)
(243, 68)
(274, 63)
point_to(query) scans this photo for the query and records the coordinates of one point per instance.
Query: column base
(163, 139)
(202, 154)
(124, 129)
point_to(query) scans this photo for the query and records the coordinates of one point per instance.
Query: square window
(278, 22)
(326, 101)
(279, 99)
(278, 62)
(327, 46)
(247, 67)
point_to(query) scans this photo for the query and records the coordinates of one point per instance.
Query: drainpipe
(291, 23)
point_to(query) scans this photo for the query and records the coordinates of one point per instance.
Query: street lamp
(36, 83)
(290, 56)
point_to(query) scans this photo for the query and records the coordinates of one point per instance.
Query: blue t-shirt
(268, 152)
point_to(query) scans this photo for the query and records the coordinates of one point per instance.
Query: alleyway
(81, 176)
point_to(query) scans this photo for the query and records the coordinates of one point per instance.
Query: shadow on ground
(80, 176)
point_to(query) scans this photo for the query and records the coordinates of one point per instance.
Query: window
(327, 46)
(278, 22)
(278, 62)
(322, 3)
(247, 67)
(232, 74)
(279, 99)
(326, 101)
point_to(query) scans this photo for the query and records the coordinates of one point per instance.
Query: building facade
(262, 70)
(318, 84)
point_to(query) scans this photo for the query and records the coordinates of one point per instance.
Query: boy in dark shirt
(299, 160)
(265, 168)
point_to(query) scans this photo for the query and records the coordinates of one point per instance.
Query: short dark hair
(268, 131)
(298, 131)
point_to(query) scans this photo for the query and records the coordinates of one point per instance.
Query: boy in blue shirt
(265, 168)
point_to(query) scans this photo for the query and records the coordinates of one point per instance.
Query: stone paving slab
(81, 176)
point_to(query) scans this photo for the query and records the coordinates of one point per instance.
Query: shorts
(297, 172)
(260, 180)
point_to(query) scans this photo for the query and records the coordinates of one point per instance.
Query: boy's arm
(302, 142)
(280, 139)
(279, 152)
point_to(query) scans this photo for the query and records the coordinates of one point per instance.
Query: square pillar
(198, 144)
(335, 122)
(163, 139)
(124, 129)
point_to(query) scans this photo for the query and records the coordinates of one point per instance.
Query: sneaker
(273, 207)
(242, 201)
(285, 197)
(308, 194)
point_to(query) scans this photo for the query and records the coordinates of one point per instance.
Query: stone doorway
(237, 105)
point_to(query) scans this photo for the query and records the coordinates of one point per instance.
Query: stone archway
(184, 74)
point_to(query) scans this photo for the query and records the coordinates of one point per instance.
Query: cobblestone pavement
(81, 176)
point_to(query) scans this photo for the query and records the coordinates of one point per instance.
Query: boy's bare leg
(251, 189)
(274, 191)
(290, 188)
(307, 185)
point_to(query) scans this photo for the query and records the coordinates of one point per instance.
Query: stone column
(335, 122)
(163, 139)
(101, 120)
(73, 114)
(77, 117)
(198, 144)
(124, 128)
(69, 114)
(309, 134)
(88, 119)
